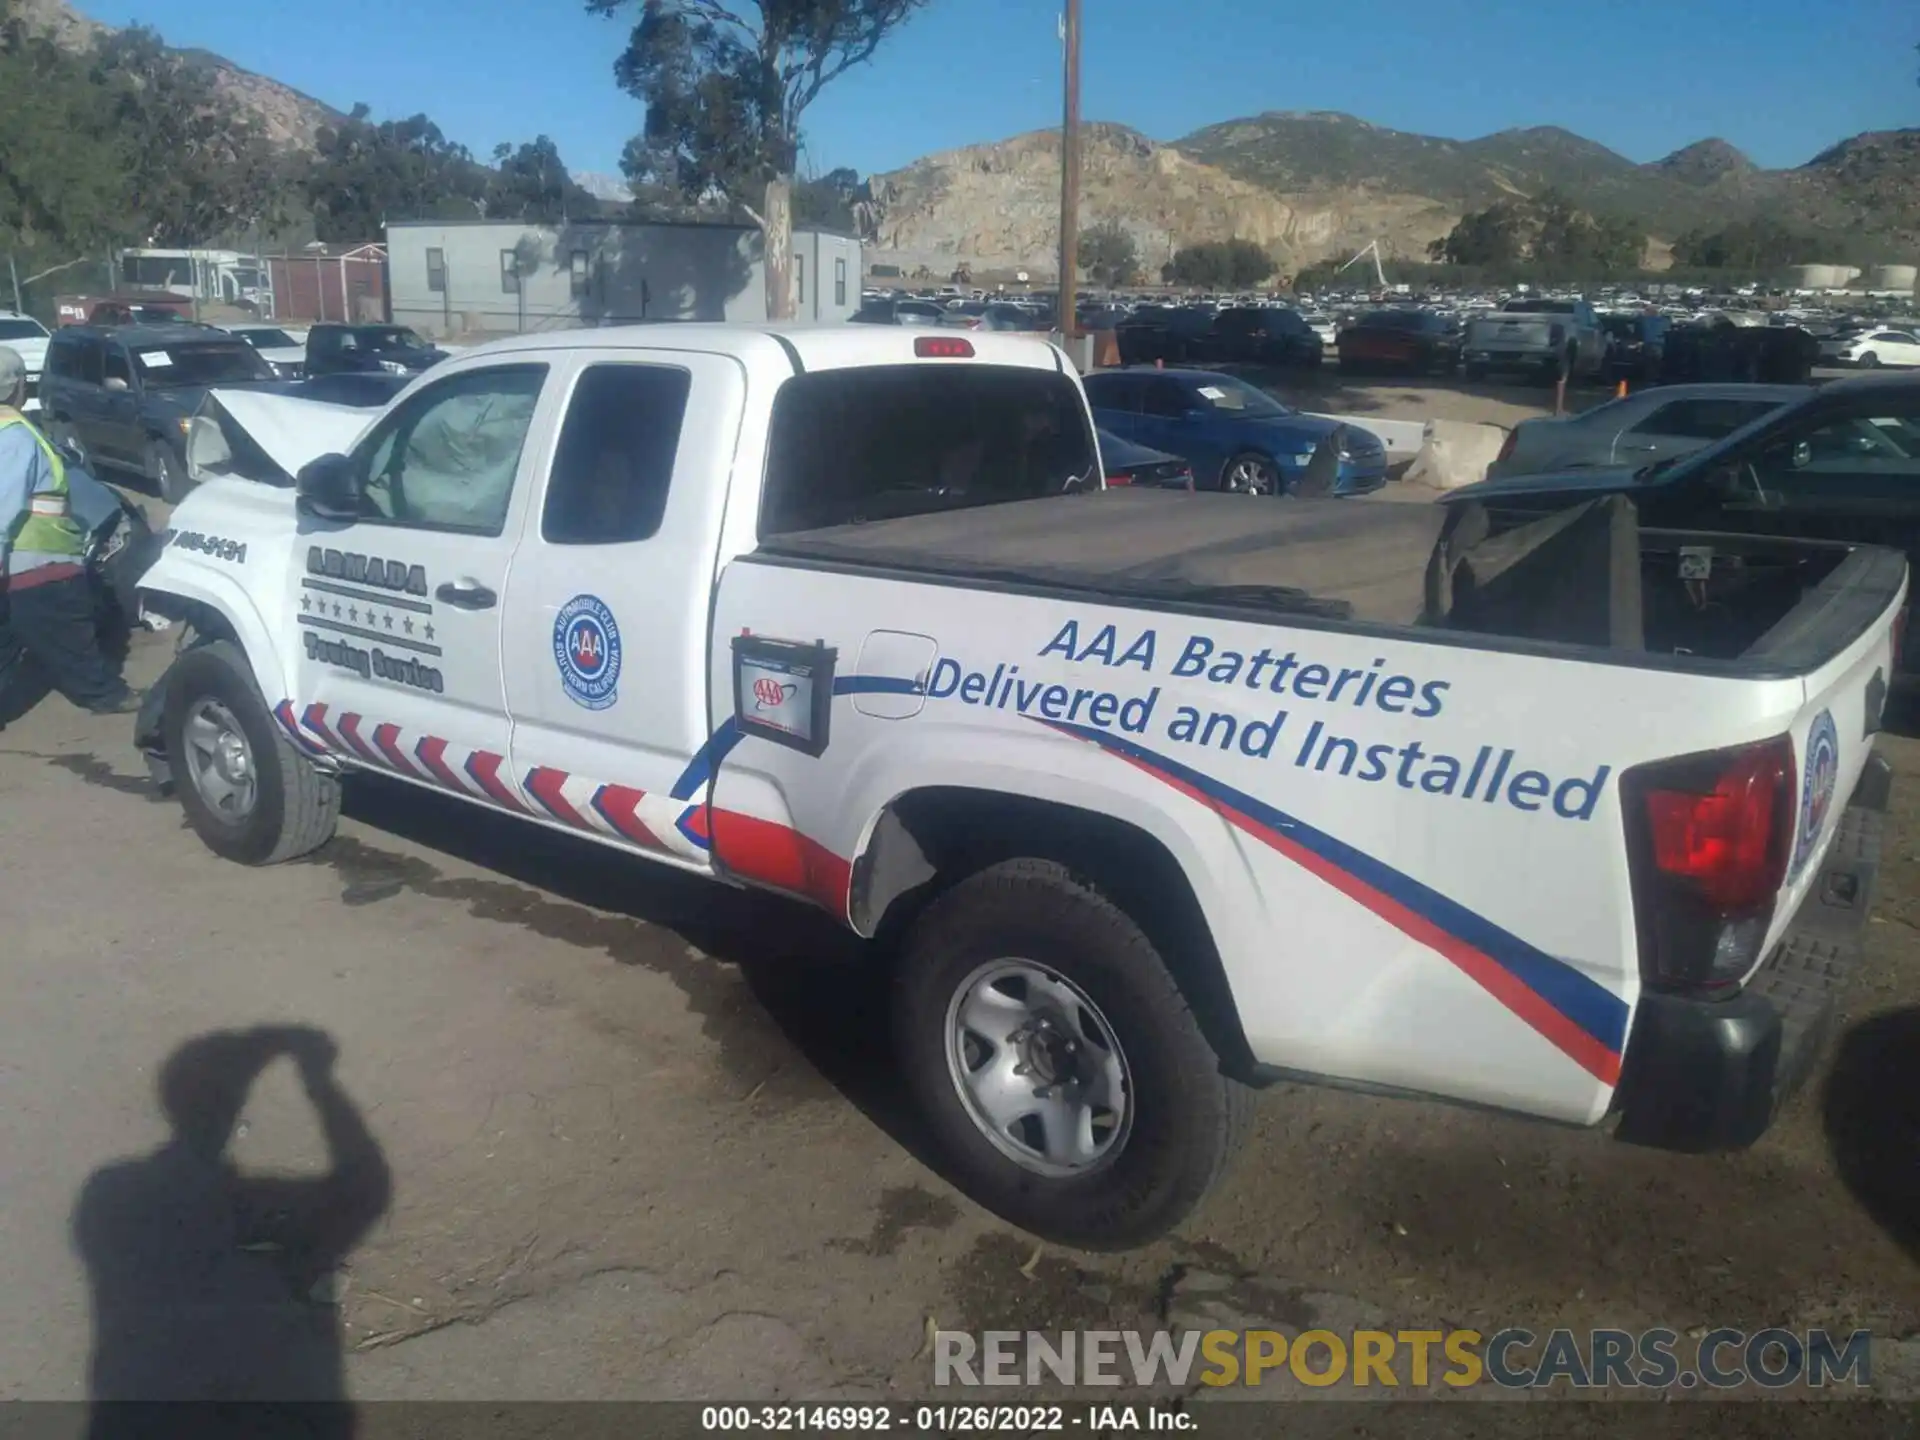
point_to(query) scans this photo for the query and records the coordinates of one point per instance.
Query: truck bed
(1332, 558)
(1588, 576)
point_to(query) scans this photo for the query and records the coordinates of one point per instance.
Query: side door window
(1163, 425)
(1687, 425)
(1859, 466)
(606, 645)
(1115, 400)
(400, 609)
(447, 460)
(116, 431)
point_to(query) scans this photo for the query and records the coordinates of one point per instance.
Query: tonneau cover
(1346, 559)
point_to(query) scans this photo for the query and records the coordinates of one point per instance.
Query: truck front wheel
(248, 792)
(1062, 1074)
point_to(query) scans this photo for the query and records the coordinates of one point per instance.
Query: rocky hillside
(290, 117)
(1314, 184)
(998, 206)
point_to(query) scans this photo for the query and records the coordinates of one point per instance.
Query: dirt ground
(601, 1133)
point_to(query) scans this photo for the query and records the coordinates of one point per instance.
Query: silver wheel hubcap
(219, 760)
(1038, 1068)
(1246, 478)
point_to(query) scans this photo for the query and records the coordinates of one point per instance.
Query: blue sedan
(1236, 437)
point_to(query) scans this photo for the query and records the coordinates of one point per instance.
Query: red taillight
(1113, 480)
(1506, 445)
(1899, 638)
(1724, 842)
(1709, 836)
(942, 347)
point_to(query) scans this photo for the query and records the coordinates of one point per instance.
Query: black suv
(121, 396)
(361, 349)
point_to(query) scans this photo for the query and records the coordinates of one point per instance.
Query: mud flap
(147, 732)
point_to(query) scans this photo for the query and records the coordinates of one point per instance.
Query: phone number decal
(215, 547)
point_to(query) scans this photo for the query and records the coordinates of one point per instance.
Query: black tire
(297, 805)
(1869, 361)
(167, 468)
(1187, 1117)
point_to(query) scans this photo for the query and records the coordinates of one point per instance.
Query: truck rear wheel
(248, 792)
(1062, 1074)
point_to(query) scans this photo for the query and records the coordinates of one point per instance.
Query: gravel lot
(629, 1135)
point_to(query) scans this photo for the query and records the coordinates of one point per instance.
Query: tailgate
(1833, 742)
(1522, 332)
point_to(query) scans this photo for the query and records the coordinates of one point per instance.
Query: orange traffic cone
(1621, 392)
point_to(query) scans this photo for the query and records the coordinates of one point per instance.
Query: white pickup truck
(1146, 797)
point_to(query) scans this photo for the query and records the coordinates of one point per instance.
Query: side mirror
(114, 385)
(327, 490)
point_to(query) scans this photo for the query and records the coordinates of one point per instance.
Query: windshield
(1538, 307)
(1236, 397)
(269, 339)
(391, 337)
(22, 330)
(880, 442)
(195, 364)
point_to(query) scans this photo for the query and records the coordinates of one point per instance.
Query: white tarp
(291, 432)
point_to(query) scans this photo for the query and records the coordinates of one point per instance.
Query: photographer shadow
(213, 1286)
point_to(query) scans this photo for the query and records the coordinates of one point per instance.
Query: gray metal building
(486, 277)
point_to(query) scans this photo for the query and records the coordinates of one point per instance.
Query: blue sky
(1782, 79)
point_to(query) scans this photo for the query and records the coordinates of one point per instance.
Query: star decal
(389, 620)
(306, 602)
(406, 624)
(429, 632)
(353, 613)
(336, 609)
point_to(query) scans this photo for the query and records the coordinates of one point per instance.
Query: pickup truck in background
(368, 349)
(1144, 797)
(1548, 338)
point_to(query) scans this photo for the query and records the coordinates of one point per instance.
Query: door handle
(467, 595)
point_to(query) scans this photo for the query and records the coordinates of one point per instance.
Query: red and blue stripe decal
(1583, 1019)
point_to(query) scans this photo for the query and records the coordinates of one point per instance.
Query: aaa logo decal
(1817, 787)
(771, 694)
(586, 648)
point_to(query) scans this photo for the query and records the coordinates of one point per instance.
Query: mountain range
(1306, 184)
(1310, 184)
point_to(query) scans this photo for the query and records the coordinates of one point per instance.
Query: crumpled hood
(291, 432)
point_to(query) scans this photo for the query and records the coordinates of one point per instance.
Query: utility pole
(1070, 172)
(13, 272)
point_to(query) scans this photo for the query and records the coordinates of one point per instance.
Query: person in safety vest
(47, 636)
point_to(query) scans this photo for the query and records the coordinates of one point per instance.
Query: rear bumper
(1705, 1075)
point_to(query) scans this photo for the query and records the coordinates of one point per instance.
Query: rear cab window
(881, 442)
(614, 463)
